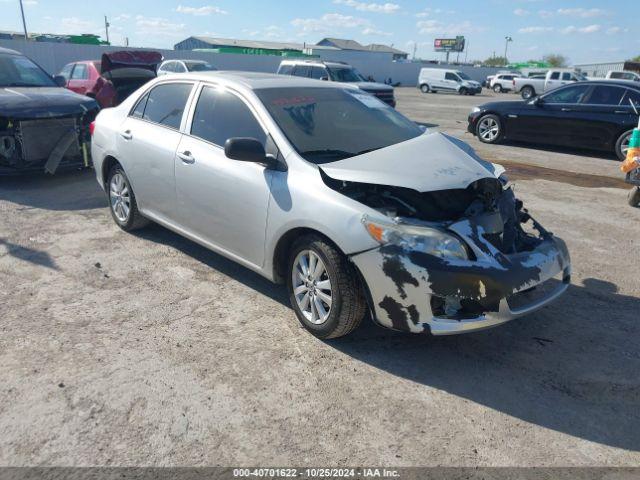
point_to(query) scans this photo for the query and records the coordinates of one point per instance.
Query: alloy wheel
(624, 145)
(120, 197)
(488, 129)
(312, 287)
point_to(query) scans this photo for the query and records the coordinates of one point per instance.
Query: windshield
(463, 75)
(580, 76)
(19, 71)
(344, 74)
(200, 67)
(329, 124)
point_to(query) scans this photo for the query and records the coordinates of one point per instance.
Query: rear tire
(122, 201)
(334, 279)
(527, 92)
(489, 129)
(497, 88)
(622, 144)
(424, 88)
(634, 197)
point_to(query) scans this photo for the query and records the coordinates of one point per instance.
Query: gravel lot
(147, 349)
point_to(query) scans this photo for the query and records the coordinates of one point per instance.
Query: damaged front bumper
(417, 292)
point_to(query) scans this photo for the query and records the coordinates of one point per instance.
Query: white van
(435, 79)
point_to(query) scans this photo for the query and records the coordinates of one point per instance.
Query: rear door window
(179, 67)
(301, 70)
(66, 71)
(80, 72)
(318, 73)
(632, 96)
(166, 104)
(285, 70)
(221, 115)
(567, 76)
(605, 95)
(138, 110)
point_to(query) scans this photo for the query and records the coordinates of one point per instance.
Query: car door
(221, 200)
(553, 81)
(450, 82)
(551, 118)
(78, 80)
(603, 115)
(147, 142)
(66, 72)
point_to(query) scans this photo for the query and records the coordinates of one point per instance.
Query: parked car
(184, 66)
(503, 82)
(114, 77)
(331, 191)
(530, 87)
(43, 126)
(596, 115)
(487, 82)
(623, 75)
(436, 79)
(337, 72)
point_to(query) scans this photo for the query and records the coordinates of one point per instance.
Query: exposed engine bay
(44, 143)
(488, 201)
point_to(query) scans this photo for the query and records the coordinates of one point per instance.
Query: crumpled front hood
(427, 163)
(42, 102)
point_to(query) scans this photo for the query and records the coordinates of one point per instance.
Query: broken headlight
(416, 238)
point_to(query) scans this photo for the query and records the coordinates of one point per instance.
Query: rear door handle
(126, 135)
(626, 112)
(567, 109)
(186, 157)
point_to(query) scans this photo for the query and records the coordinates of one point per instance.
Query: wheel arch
(283, 247)
(107, 164)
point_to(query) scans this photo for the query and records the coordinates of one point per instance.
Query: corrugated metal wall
(53, 56)
(599, 69)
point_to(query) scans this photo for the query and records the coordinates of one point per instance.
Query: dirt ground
(147, 349)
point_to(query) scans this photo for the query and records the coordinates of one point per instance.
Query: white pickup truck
(530, 87)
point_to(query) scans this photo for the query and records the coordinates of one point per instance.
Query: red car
(113, 78)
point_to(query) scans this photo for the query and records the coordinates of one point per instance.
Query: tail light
(514, 82)
(92, 127)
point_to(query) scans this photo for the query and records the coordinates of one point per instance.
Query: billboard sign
(449, 44)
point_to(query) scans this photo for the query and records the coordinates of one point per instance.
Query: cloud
(158, 26)
(329, 21)
(588, 29)
(521, 12)
(370, 7)
(435, 26)
(373, 31)
(535, 29)
(616, 30)
(427, 12)
(545, 13)
(201, 11)
(583, 12)
(75, 25)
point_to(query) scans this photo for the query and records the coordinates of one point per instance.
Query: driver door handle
(126, 135)
(186, 157)
(565, 109)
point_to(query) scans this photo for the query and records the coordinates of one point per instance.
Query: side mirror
(247, 149)
(537, 101)
(60, 81)
(326, 79)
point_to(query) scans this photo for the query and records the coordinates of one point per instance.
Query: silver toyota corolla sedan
(327, 189)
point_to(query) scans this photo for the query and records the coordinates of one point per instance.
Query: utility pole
(24, 23)
(415, 48)
(506, 46)
(466, 50)
(106, 27)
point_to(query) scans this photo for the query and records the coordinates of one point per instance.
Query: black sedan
(597, 114)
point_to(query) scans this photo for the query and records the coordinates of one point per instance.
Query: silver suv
(337, 72)
(332, 192)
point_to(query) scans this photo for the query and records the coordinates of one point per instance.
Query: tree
(496, 62)
(556, 60)
(636, 59)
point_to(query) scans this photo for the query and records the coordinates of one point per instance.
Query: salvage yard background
(147, 349)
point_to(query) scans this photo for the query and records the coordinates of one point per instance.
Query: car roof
(188, 60)
(256, 80)
(614, 81)
(311, 61)
(9, 51)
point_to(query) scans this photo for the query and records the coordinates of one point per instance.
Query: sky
(584, 31)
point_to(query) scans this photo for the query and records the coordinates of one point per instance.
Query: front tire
(622, 145)
(424, 88)
(489, 129)
(497, 88)
(462, 91)
(324, 288)
(122, 201)
(633, 197)
(527, 92)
